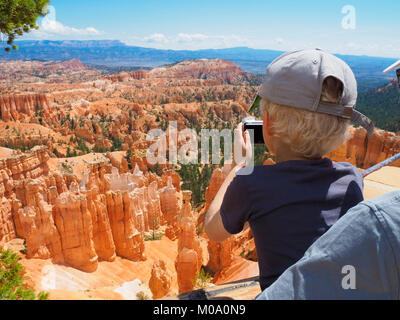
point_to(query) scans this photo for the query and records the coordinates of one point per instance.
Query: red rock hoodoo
(160, 281)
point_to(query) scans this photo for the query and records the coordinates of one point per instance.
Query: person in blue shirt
(357, 259)
(307, 102)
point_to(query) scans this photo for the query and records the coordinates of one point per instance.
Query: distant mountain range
(112, 53)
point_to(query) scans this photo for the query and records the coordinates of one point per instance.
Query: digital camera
(257, 127)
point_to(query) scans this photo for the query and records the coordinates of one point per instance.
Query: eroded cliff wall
(364, 152)
(80, 223)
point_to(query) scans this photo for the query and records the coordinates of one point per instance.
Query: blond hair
(308, 133)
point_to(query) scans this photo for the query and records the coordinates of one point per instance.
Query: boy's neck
(283, 154)
(283, 158)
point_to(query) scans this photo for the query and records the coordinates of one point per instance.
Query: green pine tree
(11, 279)
(18, 17)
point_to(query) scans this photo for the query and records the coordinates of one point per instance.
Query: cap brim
(255, 104)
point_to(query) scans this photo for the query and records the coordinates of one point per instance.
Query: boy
(306, 103)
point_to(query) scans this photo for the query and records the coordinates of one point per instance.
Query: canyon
(103, 217)
(90, 217)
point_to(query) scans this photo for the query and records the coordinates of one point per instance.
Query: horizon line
(192, 50)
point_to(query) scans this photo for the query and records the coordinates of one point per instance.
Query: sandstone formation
(154, 212)
(187, 225)
(78, 223)
(125, 76)
(31, 191)
(175, 179)
(214, 69)
(74, 224)
(189, 259)
(102, 234)
(221, 255)
(7, 230)
(160, 281)
(45, 71)
(15, 107)
(186, 269)
(170, 210)
(364, 152)
(129, 241)
(112, 112)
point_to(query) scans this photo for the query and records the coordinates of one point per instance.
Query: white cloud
(55, 27)
(190, 41)
(184, 37)
(51, 29)
(156, 37)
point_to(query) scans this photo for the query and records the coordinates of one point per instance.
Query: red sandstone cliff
(364, 152)
(16, 107)
(79, 224)
(208, 69)
(125, 76)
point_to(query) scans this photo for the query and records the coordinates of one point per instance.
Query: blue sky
(267, 24)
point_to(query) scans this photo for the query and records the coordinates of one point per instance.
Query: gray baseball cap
(295, 79)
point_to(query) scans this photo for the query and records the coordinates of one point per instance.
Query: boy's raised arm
(213, 221)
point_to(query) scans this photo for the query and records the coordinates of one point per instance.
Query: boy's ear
(267, 124)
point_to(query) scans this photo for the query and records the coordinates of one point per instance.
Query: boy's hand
(242, 146)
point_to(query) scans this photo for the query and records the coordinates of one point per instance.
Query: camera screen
(258, 131)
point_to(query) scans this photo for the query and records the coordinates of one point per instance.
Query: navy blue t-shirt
(288, 206)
